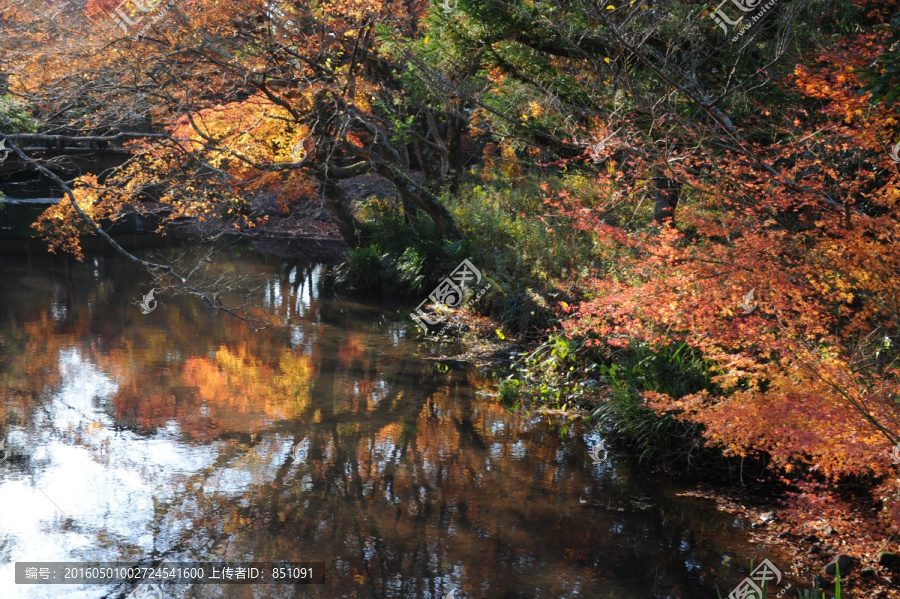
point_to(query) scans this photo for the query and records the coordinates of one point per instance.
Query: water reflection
(183, 434)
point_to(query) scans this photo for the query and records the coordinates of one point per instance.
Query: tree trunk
(454, 140)
(334, 201)
(667, 192)
(443, 152)
(423, 199)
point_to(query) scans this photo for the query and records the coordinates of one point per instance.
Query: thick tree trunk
(423, 199)
(409, 209)
(337, 208)
(431, 167)
(409, 212)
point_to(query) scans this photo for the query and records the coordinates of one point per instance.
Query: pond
(328, 437)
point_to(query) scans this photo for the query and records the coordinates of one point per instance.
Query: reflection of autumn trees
(24, 380)
(236, 382)
(406, 484)
(33, 333)
(179, 363)
(241, 385)
(439, 487)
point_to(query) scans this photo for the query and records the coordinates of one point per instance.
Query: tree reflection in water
(323, 438)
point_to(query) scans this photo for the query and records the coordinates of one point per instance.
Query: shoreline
(812, 540)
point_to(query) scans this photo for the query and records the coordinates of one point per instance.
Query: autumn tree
(720, 167)
(291, 97)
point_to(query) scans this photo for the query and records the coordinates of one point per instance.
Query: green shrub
(674, 369)
(532, 263)
(515, 245)
(363, 269)
(554, 373)
(15, 116)
(409, 258)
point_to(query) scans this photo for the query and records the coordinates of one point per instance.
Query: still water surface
(329, 437)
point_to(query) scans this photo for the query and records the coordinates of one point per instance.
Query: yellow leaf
(606, 59)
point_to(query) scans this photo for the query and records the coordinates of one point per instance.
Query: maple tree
(768, 173)
(255, 95)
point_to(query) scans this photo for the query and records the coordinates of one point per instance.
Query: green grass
(674, 369)
(398, 255)
(527, 260)
(817, 593)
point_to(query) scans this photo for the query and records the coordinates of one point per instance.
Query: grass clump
(406, 255)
